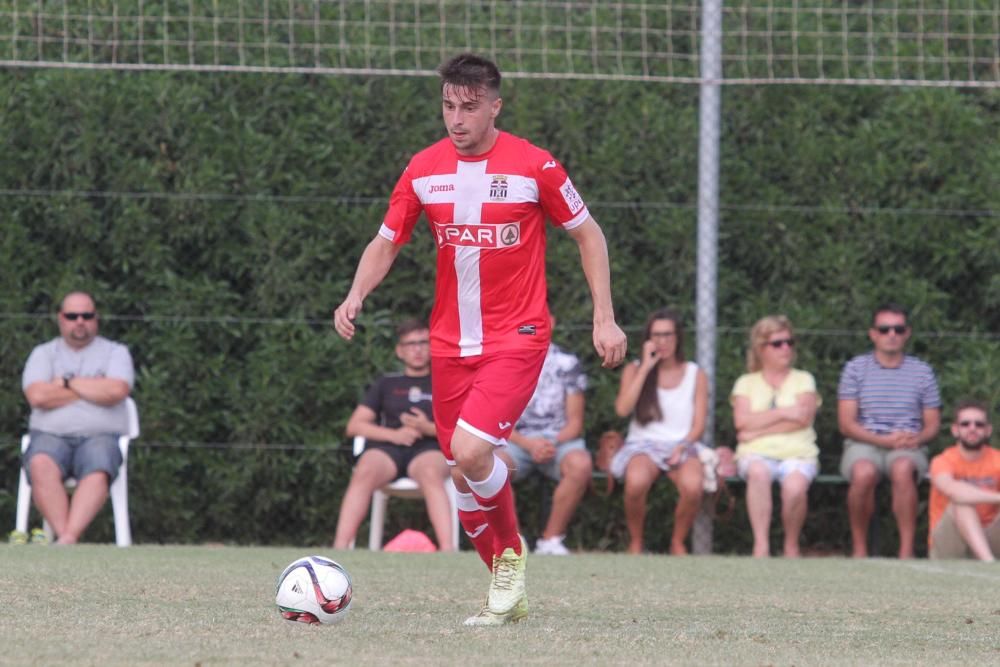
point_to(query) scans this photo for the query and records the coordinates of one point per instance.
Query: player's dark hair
(409, 325)
(890, 307)
(467, 70)
(971, 403)
(647, 408)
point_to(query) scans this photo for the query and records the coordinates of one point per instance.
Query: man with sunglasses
(76, 385)
(889, 408)
(965, 490)
(395, 418)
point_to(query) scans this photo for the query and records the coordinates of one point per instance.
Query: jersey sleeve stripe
(386, 233)
(578, 219)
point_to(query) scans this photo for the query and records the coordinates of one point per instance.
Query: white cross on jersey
(468, 189)
(471, 190)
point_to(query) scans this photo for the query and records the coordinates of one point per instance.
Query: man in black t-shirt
(395, 419)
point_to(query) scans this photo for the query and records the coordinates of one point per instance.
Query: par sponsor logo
(447, 187)
(505, 235)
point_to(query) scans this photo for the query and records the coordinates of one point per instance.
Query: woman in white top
(668, 400)
(774, 405)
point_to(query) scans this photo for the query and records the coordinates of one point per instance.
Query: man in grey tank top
(76, 385)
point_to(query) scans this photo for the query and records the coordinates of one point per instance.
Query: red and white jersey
(487, 213)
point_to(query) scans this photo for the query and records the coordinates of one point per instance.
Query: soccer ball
(314, 590)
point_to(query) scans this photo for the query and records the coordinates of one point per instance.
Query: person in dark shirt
(395, 419)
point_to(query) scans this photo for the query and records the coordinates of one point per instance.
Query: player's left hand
(610, 343)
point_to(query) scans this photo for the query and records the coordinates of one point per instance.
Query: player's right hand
(344, 316)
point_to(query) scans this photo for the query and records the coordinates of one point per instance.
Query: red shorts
(485, 395)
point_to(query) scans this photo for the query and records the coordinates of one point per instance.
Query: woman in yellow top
(773, 410)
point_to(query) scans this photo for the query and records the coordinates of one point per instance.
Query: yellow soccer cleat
(508, 588)
(486, 618)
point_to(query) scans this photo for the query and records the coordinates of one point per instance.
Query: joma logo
(442, 188)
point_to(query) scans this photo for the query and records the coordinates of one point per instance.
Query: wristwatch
(66, 379)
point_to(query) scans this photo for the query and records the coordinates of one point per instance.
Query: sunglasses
(969, 422)
(781, 342)
(898, 329)
(72, 317)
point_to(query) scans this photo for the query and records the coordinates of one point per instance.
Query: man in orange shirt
(965, 491)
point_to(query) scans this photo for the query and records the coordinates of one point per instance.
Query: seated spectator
(888, 409)
(668, 400)
(965, 490)
(774, 406)
(395, 419)
(76, 385)
(547, 439)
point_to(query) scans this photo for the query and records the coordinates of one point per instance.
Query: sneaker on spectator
(38, 536)
(17, 537)
(552, 546)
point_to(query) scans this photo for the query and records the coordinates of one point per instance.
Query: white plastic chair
(403, 487)
(118, 491)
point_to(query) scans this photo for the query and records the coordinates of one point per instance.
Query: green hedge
(218, 219)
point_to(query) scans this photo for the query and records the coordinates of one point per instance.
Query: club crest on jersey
(478, 236)
(498, 188)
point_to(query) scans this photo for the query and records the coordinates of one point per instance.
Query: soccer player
(486, 194)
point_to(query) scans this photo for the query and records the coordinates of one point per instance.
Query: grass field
(202, 605)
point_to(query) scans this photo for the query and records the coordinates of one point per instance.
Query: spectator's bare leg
(373, 470)
(794, 506)
(861, 505)
(971, 528)
(49, 493)
(904, 504)
(689, 479)
(88, 499)
(575, 470)
(430, 471)
(640, 474)
(759, 507)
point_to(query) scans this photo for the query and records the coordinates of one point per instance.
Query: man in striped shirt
(889, 408)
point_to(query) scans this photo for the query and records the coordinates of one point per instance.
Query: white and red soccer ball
(314, 590)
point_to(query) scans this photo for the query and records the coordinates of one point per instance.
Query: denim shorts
(76, 455)
(779, 468)
(526, 465)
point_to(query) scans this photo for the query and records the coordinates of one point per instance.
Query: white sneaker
(551, 547)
